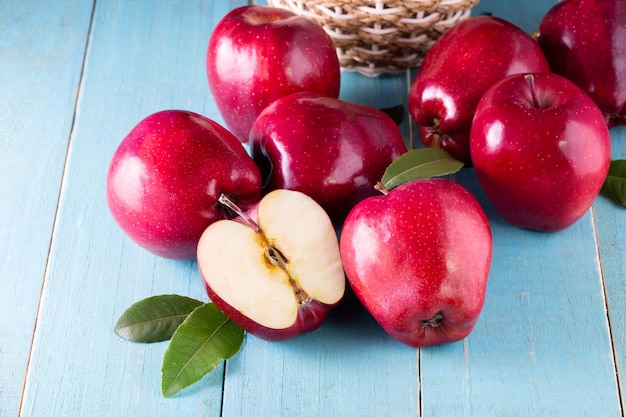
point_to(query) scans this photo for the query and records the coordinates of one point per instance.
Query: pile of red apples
(260, 202)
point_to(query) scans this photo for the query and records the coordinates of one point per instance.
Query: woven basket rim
(374, 37)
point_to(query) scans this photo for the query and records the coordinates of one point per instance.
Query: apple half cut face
(276, 270)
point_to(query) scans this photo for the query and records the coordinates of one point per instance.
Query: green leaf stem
(614, 185)
(154, 319)
(419, 164)
(201, 342)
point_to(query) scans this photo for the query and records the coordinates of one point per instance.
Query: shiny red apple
(329, 149)
(541, 150)
(418, 259)
(257, 54)
(166, 176)
(585, 41)
(456, 72)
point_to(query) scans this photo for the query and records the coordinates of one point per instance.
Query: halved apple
(276, 270)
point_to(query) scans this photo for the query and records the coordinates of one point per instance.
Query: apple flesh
(418, 259)
(276, 271)
(166, 176)
(257, 54)
(585, 41)
(332, 150)
(456, 72)
(541, 150)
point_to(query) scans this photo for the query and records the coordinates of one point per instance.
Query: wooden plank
(610, 221)
(42, 45)
(558, 300)
(543, 335)
(143, 56)
(349, 367)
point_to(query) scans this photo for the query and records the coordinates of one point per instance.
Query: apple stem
(225, 200)
(533, 89)
(273, 255)
(381, 187)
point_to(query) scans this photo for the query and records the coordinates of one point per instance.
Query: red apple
(585, 41)
(456, 72)
(329, 149)
(257, 54)
(276, 271)
(166, 176)
(418, 259)
(541, 150)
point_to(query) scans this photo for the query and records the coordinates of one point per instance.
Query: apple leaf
(419, 164)
(154, 319)
(201, 342)
(614, 185)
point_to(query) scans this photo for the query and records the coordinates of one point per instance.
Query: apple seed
(273, 255)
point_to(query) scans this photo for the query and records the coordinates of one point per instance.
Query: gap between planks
(56, 210)
(606, 312)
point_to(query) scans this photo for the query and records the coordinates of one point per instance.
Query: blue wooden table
(76, 75)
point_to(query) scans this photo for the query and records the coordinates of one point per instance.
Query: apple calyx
(436, 129)
(273, 255)
(434, 321)
(434, 134)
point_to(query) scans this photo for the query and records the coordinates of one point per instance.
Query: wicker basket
(375, 37)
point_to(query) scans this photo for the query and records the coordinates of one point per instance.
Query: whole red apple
(418, 259)
(275, 270)
(329, 149)
(166, 176)
(585, 41)
(541, 150)
(456, 72)
(257, 54)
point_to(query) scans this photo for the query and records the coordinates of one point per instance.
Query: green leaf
(419, 164)
(201, 342)
(614, 185)
(154, 319)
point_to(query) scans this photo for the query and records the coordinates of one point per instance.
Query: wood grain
(41, 54)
